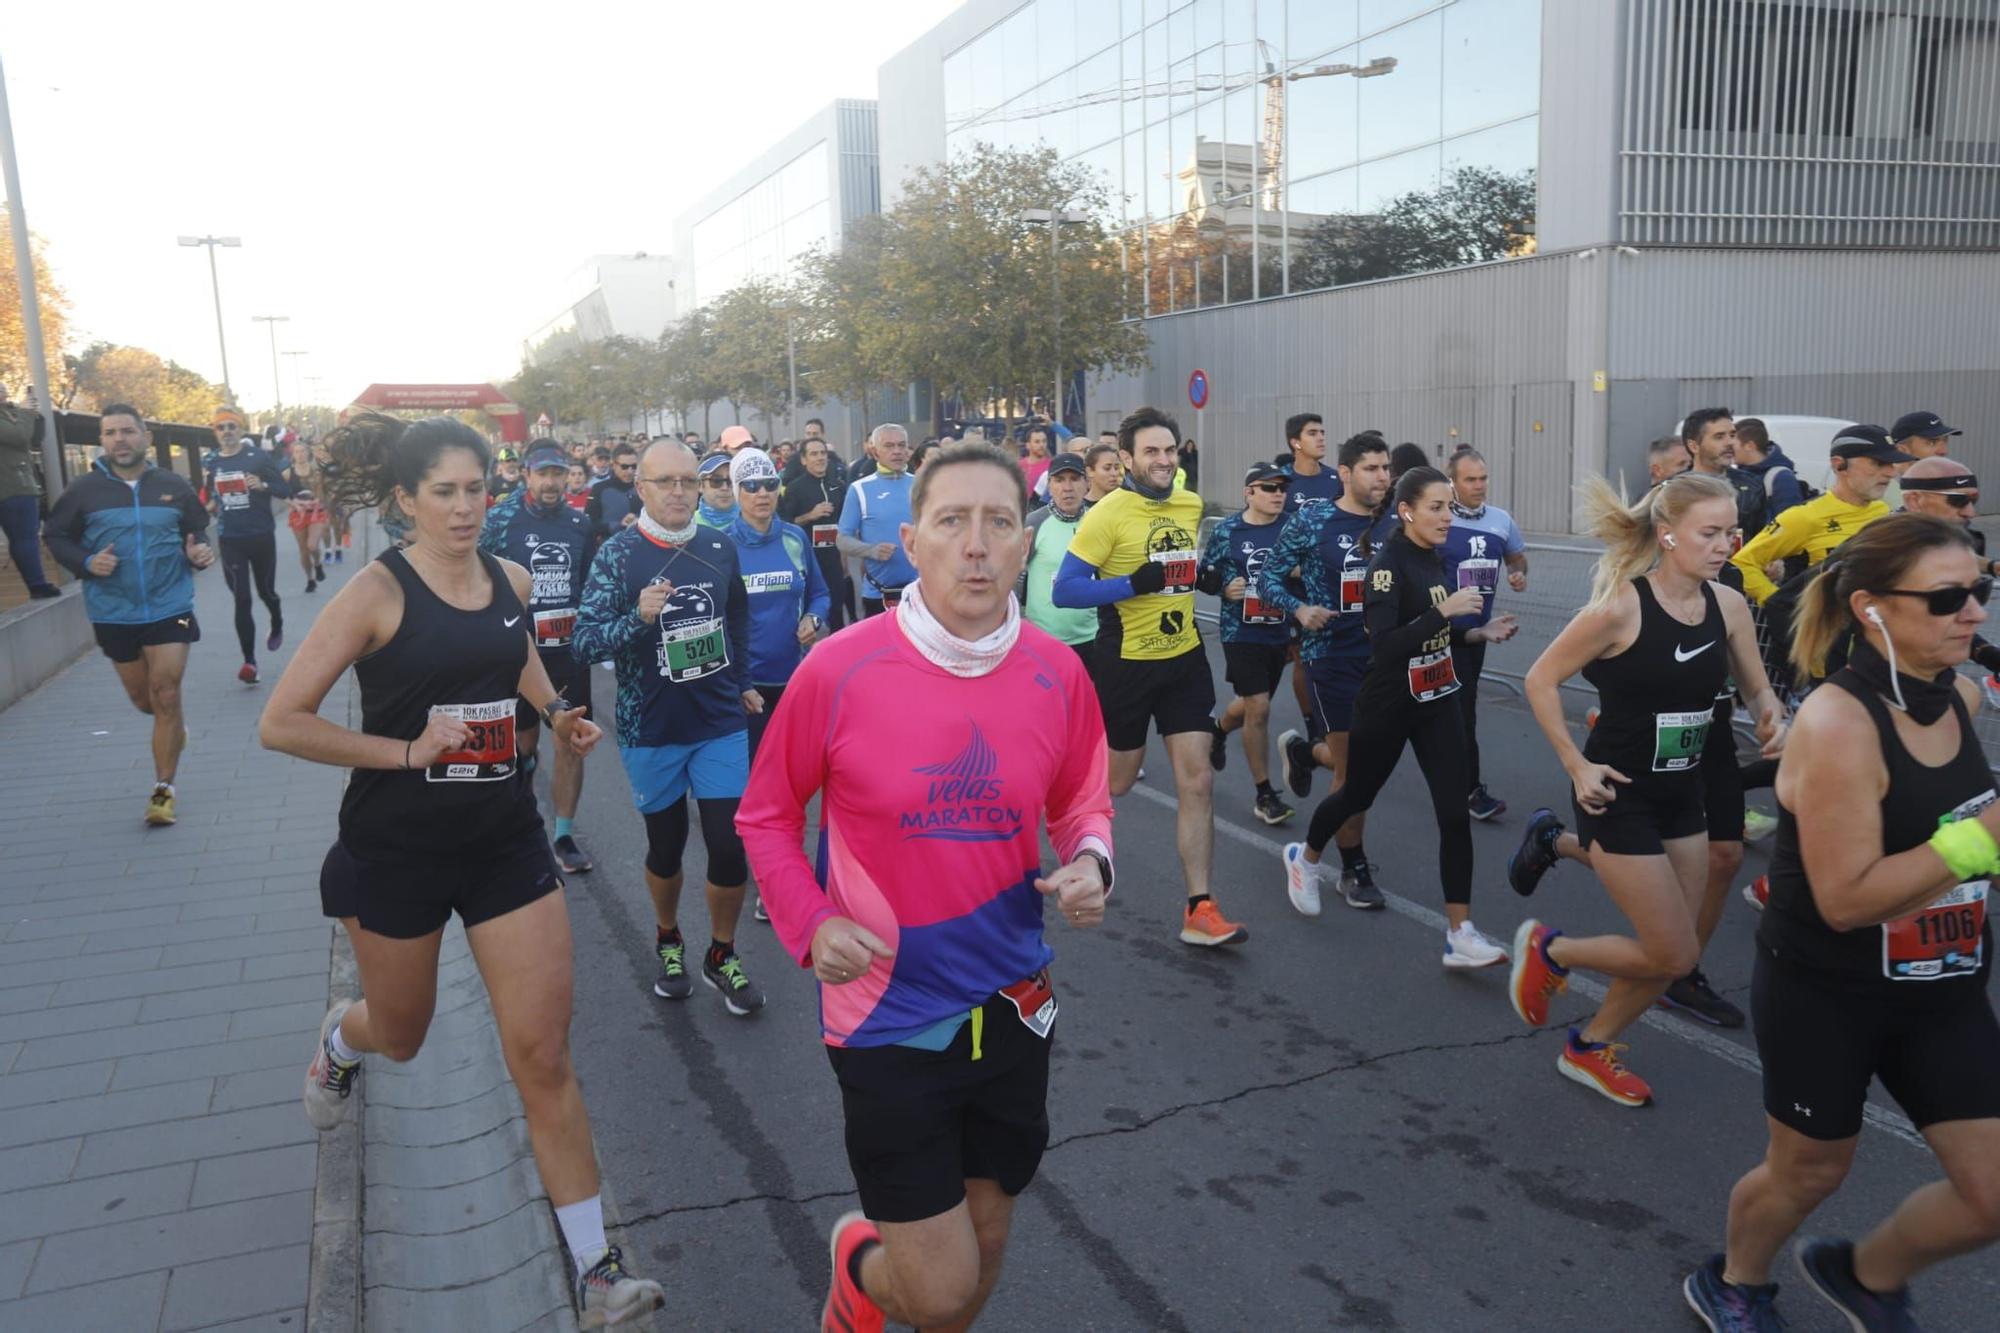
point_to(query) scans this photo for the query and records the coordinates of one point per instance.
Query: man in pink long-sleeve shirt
(939, 738)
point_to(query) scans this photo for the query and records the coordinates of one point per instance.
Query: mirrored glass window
(1055, 35)
(1379, 14)
(1401, 108)
(1322, 118)
(1492, 62)
(1096, 26)
(1318, 26)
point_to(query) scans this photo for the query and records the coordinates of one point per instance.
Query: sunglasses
(625, 467)
(758, 487)
(1947, 601)
(1268, 487)
(1960, 501)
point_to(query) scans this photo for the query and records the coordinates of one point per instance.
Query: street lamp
(1056, 218)
(215, 286)
(297, 382)
(272, 322)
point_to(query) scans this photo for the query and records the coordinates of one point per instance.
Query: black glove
(1149, 577)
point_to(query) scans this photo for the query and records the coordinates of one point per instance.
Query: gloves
(1149, 577)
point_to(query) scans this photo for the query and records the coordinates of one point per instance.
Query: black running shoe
(674, 982)
(276, 639)
(570, 858)
(739, 993)
(1694, 996)
(1357, 888)
(1272, 810)
(1297, 754)
(310, 585)
(1828, 1266)
(1483, 805)
(319, 572)
(1537, 852)
(1727, 1307)
(1218, 749)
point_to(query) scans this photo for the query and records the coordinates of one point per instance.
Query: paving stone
(15, 1260)
(211, 1059)
(21, 999)
(67, 1021)
(258, 1087)
(201, 1294)
(110, 1110)
(278, 1321)
(38, 1163)
(440, 1126)
(54, 1084)
(84, 924)
(176, 933)
(450, 1165)
(252, 1175)
(120, 1303)
(200, 1136)
(297, 963)
(166, 1242)
(77, 1204)
(452, 1208)
(76, 966)
(113, 1043)
(154, 981)
(522, 1298)
(243, 995)
(34, 951)
(247, 945)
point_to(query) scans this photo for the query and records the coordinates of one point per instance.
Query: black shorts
(1643, 819)
(123, 643)
(1821, 1042)
(572, 681)
(1334, 683)
(922, 1123)
(1722, 782)
(1175, 693)
(1253, 668)
(406, 900)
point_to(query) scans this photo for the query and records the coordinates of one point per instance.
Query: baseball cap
(1927, 424)
(1266, 471)
(507, 456)
(752, 464)
(1066, 463)
(1870, 442)
(547, 454)
(712, 463)
(734, 438)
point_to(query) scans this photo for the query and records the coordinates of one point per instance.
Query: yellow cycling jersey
(1811, 529)
(1125, 530)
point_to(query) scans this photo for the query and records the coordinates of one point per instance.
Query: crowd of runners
(960, 649)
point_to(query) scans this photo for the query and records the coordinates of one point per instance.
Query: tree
(845, 333)
(14, 371)
(163, 390)
(691, 368)
(1475, 215)
(748, 327)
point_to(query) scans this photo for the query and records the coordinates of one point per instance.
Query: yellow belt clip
(978, 1031)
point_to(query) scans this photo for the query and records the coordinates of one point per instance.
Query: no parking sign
(1198, 390)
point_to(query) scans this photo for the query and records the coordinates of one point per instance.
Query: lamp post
(272, 322)
(298, 382)
(1055, 218)
(215, 285)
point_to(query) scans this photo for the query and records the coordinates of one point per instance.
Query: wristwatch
(817, 623)
(551, 708)
(1103, 865)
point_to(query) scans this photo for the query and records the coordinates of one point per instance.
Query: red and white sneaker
(1535, 981)
(1599, 1068)
(848, 1309)
(1758, 892)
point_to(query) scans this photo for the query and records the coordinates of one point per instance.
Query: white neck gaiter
(961, 657)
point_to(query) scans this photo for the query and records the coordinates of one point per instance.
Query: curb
(333, 1301)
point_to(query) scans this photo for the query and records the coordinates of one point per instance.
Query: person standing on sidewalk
(925, 931)
(21, 433)
(133, 532)
(434, 819)
(242, 481)
(1483, 538)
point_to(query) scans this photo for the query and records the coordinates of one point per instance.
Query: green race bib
(696, 650)
(1678, 739)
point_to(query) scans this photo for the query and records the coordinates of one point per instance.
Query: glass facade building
(1260, 148)
(758, 233)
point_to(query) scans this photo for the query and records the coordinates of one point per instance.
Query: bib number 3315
(488, 752)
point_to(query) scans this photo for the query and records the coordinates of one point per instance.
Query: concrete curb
(333, 1303)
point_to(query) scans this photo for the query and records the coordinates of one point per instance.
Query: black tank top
(467, 804)
(1658, 696)
(1945, 942)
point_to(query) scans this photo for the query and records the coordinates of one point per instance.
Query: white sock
(582, 1226)
(342, 1052)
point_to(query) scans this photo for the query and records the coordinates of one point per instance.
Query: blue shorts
(1334, 683)
(717, 769)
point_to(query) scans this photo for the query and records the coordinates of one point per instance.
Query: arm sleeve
(1079, 804)
(790, 768)
(1783, 537)
(1078, 584)
(604, 623)
(1381, 611)
(736, 614)
(493, 534)
(62, 533)
(1293, 549)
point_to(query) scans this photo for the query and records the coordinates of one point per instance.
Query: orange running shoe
(1536, 980)
(848, 1309)
(1598, 1068)
(1207, 926)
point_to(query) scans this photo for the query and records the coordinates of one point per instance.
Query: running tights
(1437, 733)
(667, 835)
(244, 558)
(1470, 659)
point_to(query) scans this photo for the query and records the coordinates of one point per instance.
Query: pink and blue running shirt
(933, 792)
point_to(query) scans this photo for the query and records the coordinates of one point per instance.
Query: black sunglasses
(1960, 501)
(763, 484)
(1947, 601)
(1269, 487)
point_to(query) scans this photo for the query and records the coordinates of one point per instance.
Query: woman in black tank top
(1658, 640)
(1874, 953)
(436, 817)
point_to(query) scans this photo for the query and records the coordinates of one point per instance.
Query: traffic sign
(1198, 390)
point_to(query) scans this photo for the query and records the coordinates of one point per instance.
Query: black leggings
(667, 836)
(1437, 733)
(245, 558)
(1760, 773)
(1470, 659)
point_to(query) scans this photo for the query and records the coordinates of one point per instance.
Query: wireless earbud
(1874, 614)
(1667, 540)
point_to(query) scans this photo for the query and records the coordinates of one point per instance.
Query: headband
(1962, 481)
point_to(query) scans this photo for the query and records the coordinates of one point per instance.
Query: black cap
(1927, 424)
(1868, 442)
(1266, 472)
(1067, 463)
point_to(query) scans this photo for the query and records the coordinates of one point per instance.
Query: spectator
(1191, 464)
(1036, 462)
(21, 431)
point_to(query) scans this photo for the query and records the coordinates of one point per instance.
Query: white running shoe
(1302, 879)
(328, 1082)
(1466, 947)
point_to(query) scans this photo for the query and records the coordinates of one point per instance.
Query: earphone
(1667, 540)
(1875, 614)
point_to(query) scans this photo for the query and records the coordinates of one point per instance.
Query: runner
(614, 498)
(576, 487)
(872, 516)
(1104, 470)
(1318, 577)
(555, 544)
(811, 499)
(131, 532)
(1051, 529)
(1254, 634)
(717, 506)
(1666, 457)
(308, 518)
(665, 604)
(1134, 559)
(1873, 956)
(788, 598)
(1864, 463)
(1483, 537)
(506, 476)
(1405, 699)
(935, 999)
(1644, 640)
(1035, 462)
(1311, 478)
(242, 482)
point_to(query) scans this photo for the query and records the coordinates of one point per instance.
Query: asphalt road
(1321, 1129)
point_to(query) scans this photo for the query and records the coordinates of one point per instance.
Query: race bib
(1481, 574)
(1945, 939)
(1433, 676)
(488, 753)
(1678, 739)
(553, 628)
(693, 649)
(1256, 612)
(233, 489)
(1180, 567)
(1353, 589)
(1035, 1001)
(826, 534)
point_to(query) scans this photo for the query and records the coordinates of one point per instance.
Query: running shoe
(1467, 947)
(1302, 879)
(674, 982)
(739, 993)
(1483, 804)
(1694, 996)
(570, 858)
(1757, 825)
(160, 806)
(328, 1081)
(1296, 753)
(310, 585)
(247, 673)
(1218, 749)
(1758, 892)
(847, 1308)
(1597, 1067)
(758, 913)
(275, 639)
(1590, 716)
(608, 1295)
(1535, 980)
(1204, 924)
(1536, 855)
(1828, 1266)
(1272, 810)
(338, 558)
(1730, 1307)
(319, 572)
(1357, 888)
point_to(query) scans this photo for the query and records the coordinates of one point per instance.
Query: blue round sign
(1198, 389)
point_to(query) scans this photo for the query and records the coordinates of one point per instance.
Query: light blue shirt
(874, 510)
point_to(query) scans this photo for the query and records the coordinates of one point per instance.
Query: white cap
(751, 465)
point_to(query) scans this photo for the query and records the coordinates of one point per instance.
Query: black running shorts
(1176, 694)
(126, 643)
(1253, 668)
(1722, 782)
(572, 681)
(406, 900)
(1334, 683)
(922, 1123)
(1934, 1045)
(1643, 819)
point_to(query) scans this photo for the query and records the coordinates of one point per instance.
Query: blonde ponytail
(1627, 528)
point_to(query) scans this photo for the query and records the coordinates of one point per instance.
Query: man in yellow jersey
(1864, 463)
(1135, 558)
